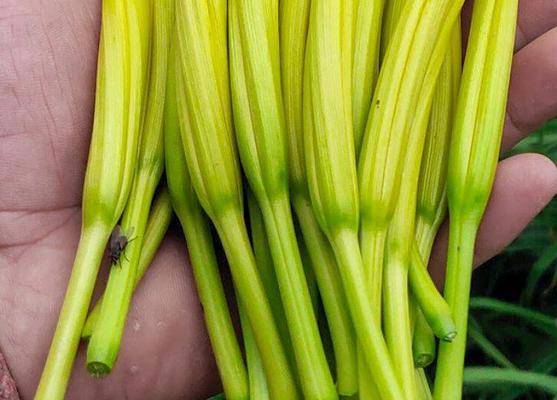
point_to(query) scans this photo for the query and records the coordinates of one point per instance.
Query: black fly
(118, 243)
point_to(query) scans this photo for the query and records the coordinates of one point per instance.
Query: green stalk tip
(449, 337)
(473, 160)
(423, 360)
(98, 370)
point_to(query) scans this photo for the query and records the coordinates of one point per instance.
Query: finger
(524, 185)
(533, 89)
(535, 17)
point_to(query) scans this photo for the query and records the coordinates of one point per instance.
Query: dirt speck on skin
(8, 389)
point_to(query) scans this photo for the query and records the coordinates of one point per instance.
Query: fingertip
(549, 177)
(528, 176)
(532, 100)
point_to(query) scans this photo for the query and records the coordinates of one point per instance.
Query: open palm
(47, 78)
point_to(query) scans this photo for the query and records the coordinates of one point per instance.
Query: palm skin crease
(47, 81)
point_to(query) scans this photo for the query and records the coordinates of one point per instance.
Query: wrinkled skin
(47, 75)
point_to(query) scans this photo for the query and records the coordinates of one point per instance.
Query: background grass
(513, 318)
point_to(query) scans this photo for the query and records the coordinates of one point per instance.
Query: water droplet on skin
(136, 326)
(134, 369)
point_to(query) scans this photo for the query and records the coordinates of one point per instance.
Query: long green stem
(312, 364)
(216, 312)
(370, 339)
(398, 331)
(235, 241)
(424, 392)
(372, 244)
(204, 263)
(104, 344)
(367, 388)
(308, 270)
(258, 388)
(157, 225)
(74, 312)
(462, 239)
(264, 261)
(473, 160)
(265, 266)
(332, 295)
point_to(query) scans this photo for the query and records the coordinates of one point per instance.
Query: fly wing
(116, 233)
(115, 238)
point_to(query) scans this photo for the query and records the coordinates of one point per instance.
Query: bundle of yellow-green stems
(322, 143)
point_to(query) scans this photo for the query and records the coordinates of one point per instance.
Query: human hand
(47, 79)
(48, 56)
